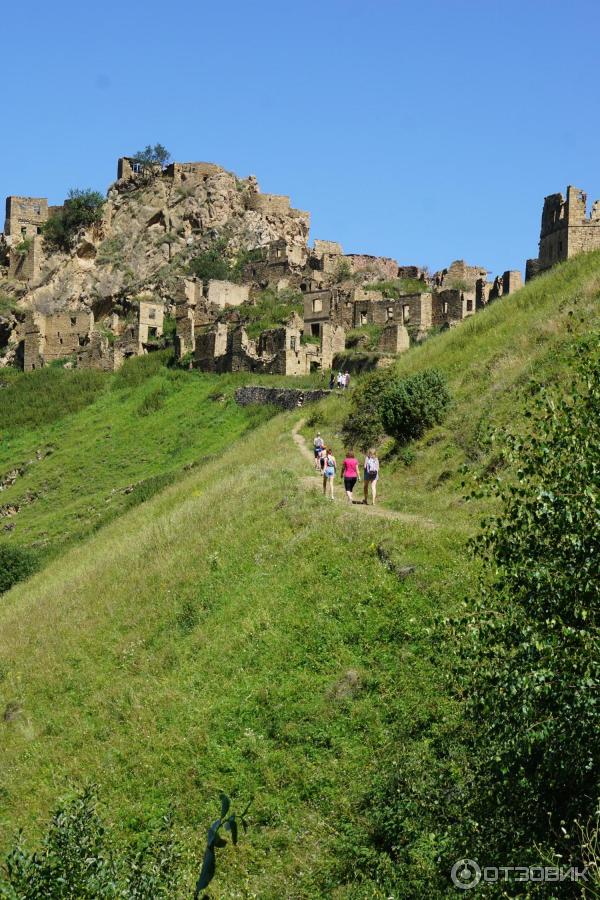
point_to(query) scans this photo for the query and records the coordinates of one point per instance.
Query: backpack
(371, 465)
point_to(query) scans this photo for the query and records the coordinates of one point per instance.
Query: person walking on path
(318, 445)
(350, 473)
(346, 380)
(329, 470)
(340, 380)
(331, 381)
(371, 475)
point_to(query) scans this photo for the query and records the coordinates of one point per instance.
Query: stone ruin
(277, 351)
(47, 338)
(566, 230)
(199, 198)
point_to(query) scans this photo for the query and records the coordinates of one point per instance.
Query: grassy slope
(199, 642)
(108, 434)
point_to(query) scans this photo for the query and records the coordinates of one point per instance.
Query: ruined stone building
(48, 338)
(277, 351)
(198, 304)
(566, 230)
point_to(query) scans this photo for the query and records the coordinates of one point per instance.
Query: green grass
(270, 310)
(203, 640)
(396, 287)
(364, 338)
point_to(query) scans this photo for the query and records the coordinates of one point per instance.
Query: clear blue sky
(426, 130)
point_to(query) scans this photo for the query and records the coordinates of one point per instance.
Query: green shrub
(529, 651)
(80, 859)
(213, 263)
(16, 563)
(364, 426)
(82, 209)
(411, 405)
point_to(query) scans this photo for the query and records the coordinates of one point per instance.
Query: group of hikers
(325, 462)
(342, 380)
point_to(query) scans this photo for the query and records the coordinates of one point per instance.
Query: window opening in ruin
(445, 307)
(152, 314)
(406, 313)
(302, 287)
(390, 312)
(23, 230)
(317, 305)
(469, 304)
(152, 332)
(292, 343)
(36, 208)
(82, 340)
(39, 229)
(136, 168)
(73, 320)
(363, 318)
(315, 329)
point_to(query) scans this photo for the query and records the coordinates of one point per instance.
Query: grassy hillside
(90, 445)
(238, 632)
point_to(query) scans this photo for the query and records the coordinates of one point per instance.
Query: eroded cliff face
(152, 227)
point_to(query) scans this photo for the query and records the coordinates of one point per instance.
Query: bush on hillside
(529, 660)
(411, 405)
(82, 209)
(402, 408)
(212, 263)
(514, 776)
(363, 428)
(16, 563)
(78, 858)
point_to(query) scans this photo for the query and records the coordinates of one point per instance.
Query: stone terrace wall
(286, 398)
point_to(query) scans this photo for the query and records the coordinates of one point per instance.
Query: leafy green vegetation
(366, 337)
(235, 633)
(15, 564)
(82, 209)
(151, 158)
(396, 287)
(270, 310)
(218, 262)
(414, 404)
(80, 858)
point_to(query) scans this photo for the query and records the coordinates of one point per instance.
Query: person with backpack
(318, 445)
(350, 473)
(329, 470)
(371, 475)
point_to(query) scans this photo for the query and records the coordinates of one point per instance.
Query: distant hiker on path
(371, 471)
(329, 472)
(318, 445)
(331, 381)
(340, 380)
(350, 473)
(346, 380)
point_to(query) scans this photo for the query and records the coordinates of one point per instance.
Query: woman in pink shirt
(350, 473)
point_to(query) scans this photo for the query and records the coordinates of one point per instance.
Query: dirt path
(315, 483)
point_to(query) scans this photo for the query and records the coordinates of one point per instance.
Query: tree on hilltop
(151, 158)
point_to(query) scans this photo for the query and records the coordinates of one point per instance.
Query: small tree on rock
(151, 159)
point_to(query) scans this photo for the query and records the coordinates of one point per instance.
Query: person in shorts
(371, 472)
(350, 473)
(329, 469)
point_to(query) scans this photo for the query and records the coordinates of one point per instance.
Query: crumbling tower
(566, 230)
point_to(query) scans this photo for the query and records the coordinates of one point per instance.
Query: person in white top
(318, 445)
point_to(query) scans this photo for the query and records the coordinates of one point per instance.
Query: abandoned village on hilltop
(110, 296)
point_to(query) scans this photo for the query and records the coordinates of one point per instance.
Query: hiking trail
(314, 482)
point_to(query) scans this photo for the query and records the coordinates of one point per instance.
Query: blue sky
(426, 130)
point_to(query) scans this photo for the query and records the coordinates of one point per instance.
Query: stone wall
(286, 398)
(26, 266)
(150, 320)
(226, 293)
(381, 266)
(394, 339)
(48, 338)
(25, 216)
